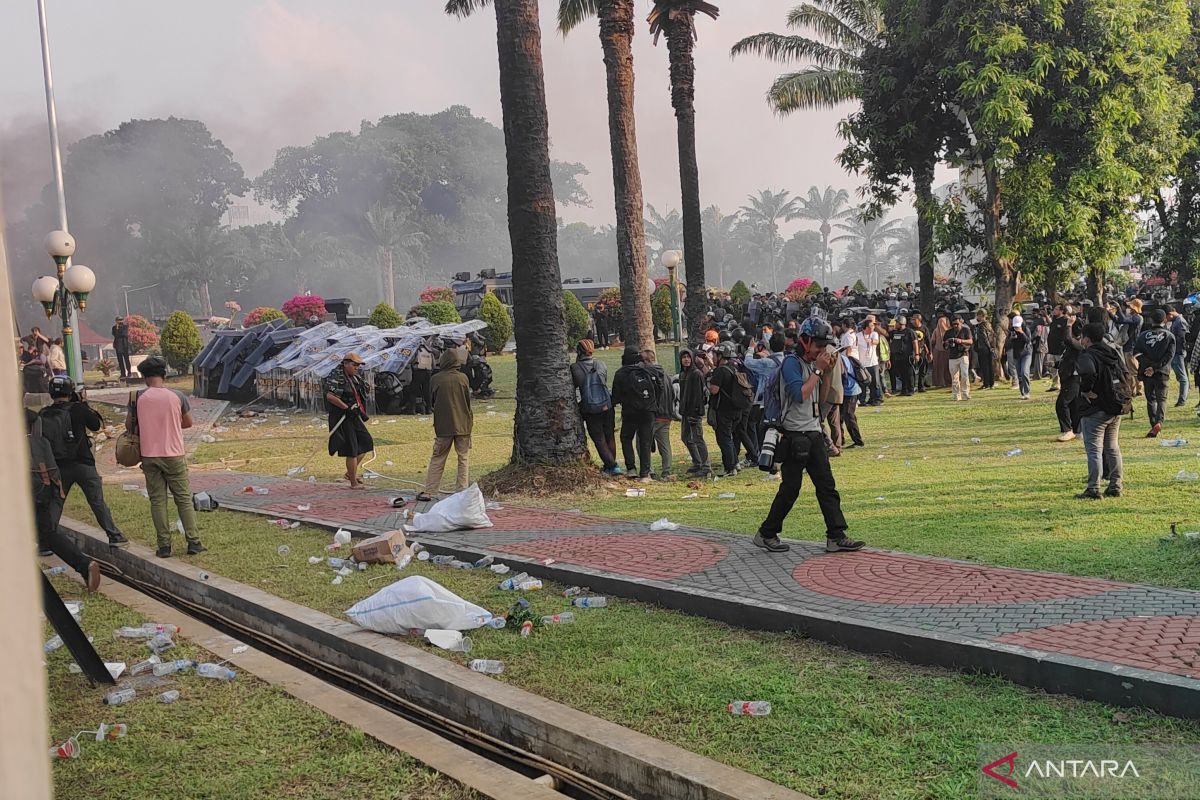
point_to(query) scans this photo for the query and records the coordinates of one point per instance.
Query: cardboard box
(381, 549)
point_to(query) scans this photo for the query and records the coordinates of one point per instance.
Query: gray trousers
(662, 443)
(1100, 442)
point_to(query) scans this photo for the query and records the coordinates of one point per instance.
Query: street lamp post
(128, 290)
(64, 292)
(671, 260)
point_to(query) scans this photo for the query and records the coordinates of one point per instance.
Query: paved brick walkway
(205, 413)
(1016, 622)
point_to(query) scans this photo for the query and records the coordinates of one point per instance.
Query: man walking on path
(348, 434)
(1105, 397)
(1180, 330)
(453, 421)
(958, 341)
(664, 412)
(1155, 350)
(867, 341)
(692, 395)
(595, 404)
(634, 391)
(802, 444)
(160, 415)
(120, 334)
(65, 424)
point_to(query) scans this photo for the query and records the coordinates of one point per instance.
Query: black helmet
(61, 386)
(816, 329)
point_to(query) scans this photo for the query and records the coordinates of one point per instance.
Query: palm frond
(465, 8)
(787, 49)
(571, 13)
(828, 26)
(813, 88)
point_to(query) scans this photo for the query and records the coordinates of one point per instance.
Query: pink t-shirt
(159, 416)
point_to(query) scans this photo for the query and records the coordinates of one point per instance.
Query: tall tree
(388, 230)
(803, 254)
(718, 235)
(870, 236)
(189, 258)
(768, 208)
(825, 207)
(663, 232)
(677, 20)
(548, 429)
(616, 40)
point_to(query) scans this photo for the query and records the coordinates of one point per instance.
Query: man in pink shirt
(161, 415)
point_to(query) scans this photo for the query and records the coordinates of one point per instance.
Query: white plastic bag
(664, 524)
(463, 510)
(416, 602)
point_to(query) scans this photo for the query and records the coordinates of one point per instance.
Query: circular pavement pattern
(893, 579)
(1166, 644)
(659, 556)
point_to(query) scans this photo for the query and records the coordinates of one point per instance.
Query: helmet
(727, 350)
(816, 329)
(712, 337)
(61, 386)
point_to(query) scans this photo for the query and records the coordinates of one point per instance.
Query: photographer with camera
(65, 425)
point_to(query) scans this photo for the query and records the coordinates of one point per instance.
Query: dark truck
(468, 293)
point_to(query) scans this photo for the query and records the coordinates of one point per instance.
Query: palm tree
(191, 257)
(548, 429)
(387, 229)
(616, 40)
(664, 233)
(768, 208)
(826, 208)
(677, 19)
(718, 236)
(870, 237)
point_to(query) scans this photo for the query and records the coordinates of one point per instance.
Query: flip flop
(424, 498)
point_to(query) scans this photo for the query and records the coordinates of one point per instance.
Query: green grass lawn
(219, 741)
(844, 725)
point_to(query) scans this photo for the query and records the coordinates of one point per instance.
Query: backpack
(741, 400)
(47, 481)
(643, 390)
(594, 396)
(772, 396)
(58, 431)
(1114, 388)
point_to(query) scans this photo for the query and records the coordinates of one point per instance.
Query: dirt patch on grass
(541, 481)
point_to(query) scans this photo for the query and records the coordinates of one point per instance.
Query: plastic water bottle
(404, 561)
(169, 696)
(283, 550)
(442, 561)
(495, 623)
(590, 602)
(526, 628)
(216, 671)
(1178, 441)
(1014, 452)
(161, 627)
(160, 643)
(511, 583)
(486, 561)
(337, 563)
(572, 591)
(416, 547)
(314, 560)
(456, 564)
(130, 632)
(119, 697)
(423, 555)
(52, 644)
(530, 585)
(59, 570)
(261, 490)
(976, 440)
(487, 666)
(749, 708)
(145, 666)
(551, 619)
(171, 667)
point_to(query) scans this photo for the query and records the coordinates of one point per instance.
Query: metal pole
(126, 288)
(674, 312)
(70, 319)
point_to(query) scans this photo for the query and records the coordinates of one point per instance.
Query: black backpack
(643, 390)
(47, 481)
(1114, 387)
(59, 432)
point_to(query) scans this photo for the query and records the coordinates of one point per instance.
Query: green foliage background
(384, 316)
(439, 312)
(500, 326)
(578, 323)
(180, 341)
(740, 293)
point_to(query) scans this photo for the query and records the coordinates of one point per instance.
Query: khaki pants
(163, 475)
(960, 377)
(437, 464)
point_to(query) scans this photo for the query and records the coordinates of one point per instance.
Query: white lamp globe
(45, 288)
(671, 258)
(79, 279)
(59, 244)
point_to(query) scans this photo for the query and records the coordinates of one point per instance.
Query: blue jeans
(1022, 363)
(876, 373)
(1179, 367)
(1101, 443)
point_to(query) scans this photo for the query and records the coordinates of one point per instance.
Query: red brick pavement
(658, 556)
(511, 518)
(900, 579)
(1166, 644)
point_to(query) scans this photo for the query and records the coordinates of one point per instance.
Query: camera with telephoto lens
(766, 453)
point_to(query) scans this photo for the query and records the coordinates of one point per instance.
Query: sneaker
(1089, 494)
(771, 544)
(618, 470)
(195, 548)
(1113, 491)
(843, 545)
(1024, 397)
(93, 576)
(834, 453)
(118, 541)
(45, 553)
(666, 478)
(1065, 437)
(772, 476)
(645, 479)
(1180, 403)
(1155, 429)
(163, 552)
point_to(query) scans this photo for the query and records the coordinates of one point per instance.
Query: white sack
(463, 510)
(416, 602)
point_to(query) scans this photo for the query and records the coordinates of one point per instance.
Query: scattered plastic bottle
(456, 564)
(145, 666)
(337, 563)
(554, 619)
(514, 581)
(1178, 441)
(531, 585)
(119, 697)
(59, 570)
(171, 667)
(362, 565)
(314, 560)
(131, 632)
(111, 732)
(499, 569)
(495, 623)
(74, 669)
(976, 440)
(216, 671)
(203, 575)
(259, 489)
(526, 628)
(283, 550)
(486, 561)
(572, 591)
(169, 696)
(487, 666)
(160, 643)
(423, 555)
(727, 495)
(404, 561)
(750, 708)
(52, 644)
(1016, 451)
(590, 602)
(442, 561)
(1184, 475)
(161, 627)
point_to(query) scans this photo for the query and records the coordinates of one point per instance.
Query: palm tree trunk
(389, 280)
(548, 429)
(825, 256)
(680, 40)
(926, 252)
(205, 301)
(616, 39)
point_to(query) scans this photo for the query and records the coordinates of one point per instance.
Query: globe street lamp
(69, 289)
(671, 259)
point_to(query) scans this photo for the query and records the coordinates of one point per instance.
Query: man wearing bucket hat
(345, 395)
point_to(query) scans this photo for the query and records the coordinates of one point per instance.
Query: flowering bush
(304, 306)
(797, 289)
(143, 335)
(260, 315)
(233, 305)
(431, 294)
(659, 282)
(609, 300)
(218, 322)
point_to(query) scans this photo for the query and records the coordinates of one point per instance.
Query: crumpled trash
(465, 510)
(292, 471)
(635, 492)
(207, 438)
(304, 507)
(130, 487)
(452, 641)
(1184, 475)
(691, 496)
(726, 495)
(341, 537)
(976, 440)
(416, 602)
(664, 524)
(1016, 451)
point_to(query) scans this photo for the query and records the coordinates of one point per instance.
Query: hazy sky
(267, 73)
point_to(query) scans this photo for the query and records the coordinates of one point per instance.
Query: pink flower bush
(260, 315)
(143, 335)
(797, 289)
(303, 306)
(432, 294)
